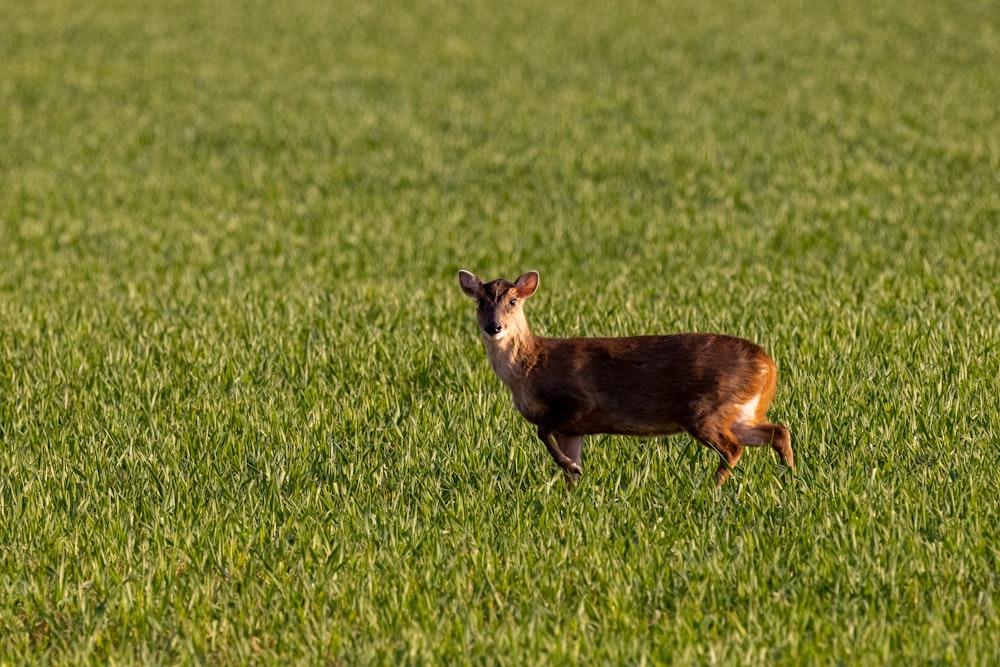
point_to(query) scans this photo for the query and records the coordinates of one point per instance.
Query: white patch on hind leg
(743, 425)
(748, 411)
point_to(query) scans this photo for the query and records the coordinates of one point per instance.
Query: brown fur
(704, 384)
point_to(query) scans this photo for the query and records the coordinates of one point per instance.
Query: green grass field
(245, 415)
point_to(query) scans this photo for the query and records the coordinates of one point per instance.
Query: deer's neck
(512, 356)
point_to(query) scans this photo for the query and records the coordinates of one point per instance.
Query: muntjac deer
(717, 388)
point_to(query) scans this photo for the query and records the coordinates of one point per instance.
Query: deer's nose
(492, 328)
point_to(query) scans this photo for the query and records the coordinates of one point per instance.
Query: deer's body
(716, 388)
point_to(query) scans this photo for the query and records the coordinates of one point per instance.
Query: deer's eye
(513, 302)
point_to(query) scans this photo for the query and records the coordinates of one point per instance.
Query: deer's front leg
(572, 447)
(551, 440)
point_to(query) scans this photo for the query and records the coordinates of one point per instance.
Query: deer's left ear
(471, 285)
(527, 284)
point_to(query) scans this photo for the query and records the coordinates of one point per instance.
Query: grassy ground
(244, 412)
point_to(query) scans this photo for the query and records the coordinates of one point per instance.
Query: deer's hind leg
(750, 422)
(766, 434)
(725, 444)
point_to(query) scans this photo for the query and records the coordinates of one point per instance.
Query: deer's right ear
(471, 285)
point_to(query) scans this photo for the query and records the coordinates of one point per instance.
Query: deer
(717, 388)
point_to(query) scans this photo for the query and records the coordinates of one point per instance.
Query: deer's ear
(471, 285)
(527, 284)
